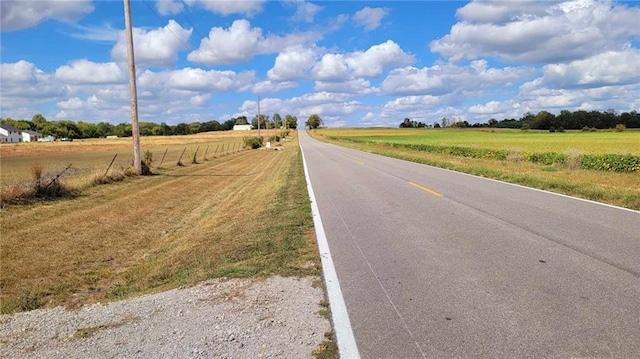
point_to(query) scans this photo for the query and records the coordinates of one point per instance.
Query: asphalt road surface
(438, 264)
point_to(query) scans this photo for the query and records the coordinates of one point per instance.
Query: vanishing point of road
(436, 264)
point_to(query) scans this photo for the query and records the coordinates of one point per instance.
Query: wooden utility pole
(135, 129)
(258, 115)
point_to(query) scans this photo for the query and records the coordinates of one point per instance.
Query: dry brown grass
(239, 215)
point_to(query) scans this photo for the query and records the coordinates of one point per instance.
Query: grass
(328, 349)
(243, 214)
(621, 189)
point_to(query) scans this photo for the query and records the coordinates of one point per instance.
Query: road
(437, 264)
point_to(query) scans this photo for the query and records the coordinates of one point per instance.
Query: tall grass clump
(252, 142)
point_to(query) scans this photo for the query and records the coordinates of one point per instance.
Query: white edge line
(341, 324)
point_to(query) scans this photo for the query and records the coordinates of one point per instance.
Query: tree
(290, 122)
(314, 121)
(277, 120)
(38, 120)
(263, 122)
(242, 120)
(406, 123)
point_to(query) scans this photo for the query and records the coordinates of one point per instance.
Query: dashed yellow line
(425, 189)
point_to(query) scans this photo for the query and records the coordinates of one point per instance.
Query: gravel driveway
(238, 318)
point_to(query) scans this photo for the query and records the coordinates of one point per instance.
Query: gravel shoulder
(275, 317)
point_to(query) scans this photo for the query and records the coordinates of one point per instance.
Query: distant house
(31, 136)
(241, 127)
(47, 139)
(10, 134)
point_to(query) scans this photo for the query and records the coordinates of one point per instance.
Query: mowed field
(242, 214)
(92, 156)
(565, 176)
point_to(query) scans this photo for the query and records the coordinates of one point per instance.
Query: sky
(354, 63)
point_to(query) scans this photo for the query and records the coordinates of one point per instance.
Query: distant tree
(277, 120)
(242, 120)
(228, 124)
(88, 130)
(104, 129)
(436, 125)
(195, 127)
(264, 119)
(39, 121)
(314, 121)
(211, 126)
(544, 120)
(291, 122)
(181, 129)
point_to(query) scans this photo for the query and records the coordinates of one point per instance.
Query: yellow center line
(425, 189)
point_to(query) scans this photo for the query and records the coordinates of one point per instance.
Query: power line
(187, 46)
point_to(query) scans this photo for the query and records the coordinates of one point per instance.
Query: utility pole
(258, 115)
(135, 130)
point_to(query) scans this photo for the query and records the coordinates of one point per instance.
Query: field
(238, 214)
(92, 156)
(559, 162)
(627, 142)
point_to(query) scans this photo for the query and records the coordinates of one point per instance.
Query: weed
(28, 299)
(328, 349)
(324, 312)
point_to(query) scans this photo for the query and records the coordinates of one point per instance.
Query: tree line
(544, 120)
(81, 129)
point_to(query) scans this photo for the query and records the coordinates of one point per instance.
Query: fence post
(108, 168)
(180, 159)
(195, 156)
(162, 160)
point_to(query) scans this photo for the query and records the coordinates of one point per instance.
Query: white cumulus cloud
(89, 72)
(157, 47)
(292, 64)
(539, 32)
(370, 63)
(23, 14)
(240, 43)
(369, 18)
(606, 69)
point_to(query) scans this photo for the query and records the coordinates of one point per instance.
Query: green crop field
(573, 142)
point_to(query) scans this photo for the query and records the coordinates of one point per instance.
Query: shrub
(252, 142)
(552, 129)
(545, 158)
(610, 162)
(586, 129)
(620, 127)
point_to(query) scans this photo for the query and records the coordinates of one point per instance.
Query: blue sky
(355, 63)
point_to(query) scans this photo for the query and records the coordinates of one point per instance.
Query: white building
(242, 127)
(31, 136)
(46, 139)
(10, 134)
